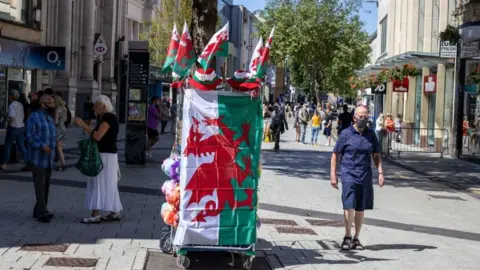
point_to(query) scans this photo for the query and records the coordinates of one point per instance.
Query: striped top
(16, 114)
(41, 132)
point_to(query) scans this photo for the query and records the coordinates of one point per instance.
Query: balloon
(173, 196)
(168, 214)
(175, 170)
(168, 185)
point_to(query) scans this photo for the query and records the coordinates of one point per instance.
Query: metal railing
(471, 144)
(418, 140)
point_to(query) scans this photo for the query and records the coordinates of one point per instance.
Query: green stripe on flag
(238, 226)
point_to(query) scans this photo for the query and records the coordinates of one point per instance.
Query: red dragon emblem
(214, 47)
(218, 174)
(185, 50)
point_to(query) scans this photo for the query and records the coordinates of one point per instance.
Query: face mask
(50, 109)
(362, 123)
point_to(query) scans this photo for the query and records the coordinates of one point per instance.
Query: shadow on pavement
(374, 222)
(289, 256)
(297, 163)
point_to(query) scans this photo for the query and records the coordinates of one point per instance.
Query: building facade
(23, 54)
(77, 25)
(408, 33)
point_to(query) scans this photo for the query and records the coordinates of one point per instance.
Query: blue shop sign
(25, 55)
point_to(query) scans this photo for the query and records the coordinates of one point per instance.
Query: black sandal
(61, 169)
(357, 245)
(347, 242)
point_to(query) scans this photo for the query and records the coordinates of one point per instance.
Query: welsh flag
(171, 51)
(185, 55)
(262, 66)
(257, 54)
(219, 171)
(217, 46)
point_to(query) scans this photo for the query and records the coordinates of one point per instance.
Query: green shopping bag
(90, 162)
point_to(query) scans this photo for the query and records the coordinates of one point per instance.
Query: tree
(160, 28)
(323, 40)
(204, 23)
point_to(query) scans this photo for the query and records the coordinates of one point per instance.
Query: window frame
(383, 35)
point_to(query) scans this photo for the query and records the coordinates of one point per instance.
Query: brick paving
(411, 226)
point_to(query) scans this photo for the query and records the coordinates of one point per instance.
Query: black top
(108, 143)
(346, 119)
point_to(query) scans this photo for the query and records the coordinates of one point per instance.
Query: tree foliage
(160, 28)
(323, 41)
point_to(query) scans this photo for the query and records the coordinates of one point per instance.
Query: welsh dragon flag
(171, 51)
(219, 172)
(185, 55)
(217, 46)
(262, 65)
(257, 54)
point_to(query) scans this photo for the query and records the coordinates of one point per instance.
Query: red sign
(430, 84)
(401, 86)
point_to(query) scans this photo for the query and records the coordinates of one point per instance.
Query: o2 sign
(53, 58)
(380, 89)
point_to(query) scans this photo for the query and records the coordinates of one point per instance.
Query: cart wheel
(247, 262)
(166, 244)
(183, 262)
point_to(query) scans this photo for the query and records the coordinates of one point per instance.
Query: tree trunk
(204, 22)
(202, 28)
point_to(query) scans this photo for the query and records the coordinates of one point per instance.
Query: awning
(418, 59)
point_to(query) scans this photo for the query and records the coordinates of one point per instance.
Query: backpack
(69, 118)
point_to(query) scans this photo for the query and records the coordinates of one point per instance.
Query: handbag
(90, 162)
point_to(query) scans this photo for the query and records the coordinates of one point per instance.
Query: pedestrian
(316, 126)
(88, 113)
(345, 119)
(380, 129)
(327, 131)
(267, 120)
(42, 138)
(465, 128)
(15, 130)
(164, 115)
(173, 116)
(279, 124)
(398, 127)
(355, 148)
(296, 124)
(102, 190)
(303, 117)
(152, 125)
(60, 119)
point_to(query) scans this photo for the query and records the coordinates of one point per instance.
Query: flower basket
(474, 75)
(410, 70)
(396, 74)
(450, 34)
(383, 76)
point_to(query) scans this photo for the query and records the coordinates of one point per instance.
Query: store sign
(380, 89)
(401, 86)
(447, 50)
(470, 49)
(430, 84)
(31, 56)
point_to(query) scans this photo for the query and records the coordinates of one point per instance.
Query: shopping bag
(90, 162)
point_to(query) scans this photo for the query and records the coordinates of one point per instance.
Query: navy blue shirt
(356, 150)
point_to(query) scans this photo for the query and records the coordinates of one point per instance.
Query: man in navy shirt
(356, 147)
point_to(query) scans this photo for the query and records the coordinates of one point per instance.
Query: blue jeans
(315, 132)
(303, 132)
(14, 135)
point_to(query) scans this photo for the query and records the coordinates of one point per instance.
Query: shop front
(21, 64)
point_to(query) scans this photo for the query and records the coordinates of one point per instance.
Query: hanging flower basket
(450, 34)
(474, 75)
(396, 74)
(383, 76)
(410, 70)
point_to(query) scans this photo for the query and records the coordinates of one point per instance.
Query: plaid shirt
(41, 132)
